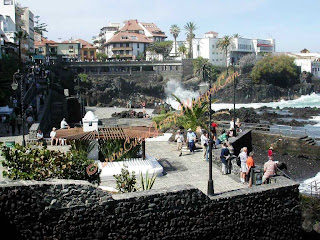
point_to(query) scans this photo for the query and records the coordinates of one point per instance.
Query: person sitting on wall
(64, 124)
(39, 136)
(270, 169)
(222, 138)
(53, 136)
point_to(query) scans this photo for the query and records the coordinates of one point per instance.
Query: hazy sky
(294, 24)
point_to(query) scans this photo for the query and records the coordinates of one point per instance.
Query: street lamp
(17, 76)
(210, 181)
(234, 104)
(79, 94)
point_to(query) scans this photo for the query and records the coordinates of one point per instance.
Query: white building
(308, 62)
(207, 47)
(106, 33)
(28, 26)
(132, 40)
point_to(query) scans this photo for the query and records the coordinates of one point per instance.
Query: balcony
(122, 48)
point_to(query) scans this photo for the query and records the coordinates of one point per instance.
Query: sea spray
(175, 87)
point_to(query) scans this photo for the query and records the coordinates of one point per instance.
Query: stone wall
(76, 210)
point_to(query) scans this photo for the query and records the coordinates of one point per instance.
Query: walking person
(243, 159)
(191, 138)
(13, 125)
(204, 144)
(229, 163)
(250, 166)
(180, 139)
(19, 123)
(225, 154)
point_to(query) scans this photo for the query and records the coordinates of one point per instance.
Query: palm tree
(226, 44)
(190, 27)
(175, 30)
(183, 50)
(201, 64)
(20, 37)
(237, 35)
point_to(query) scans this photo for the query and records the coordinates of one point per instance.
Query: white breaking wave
(305, 186)
(316, 119)
(175, 87)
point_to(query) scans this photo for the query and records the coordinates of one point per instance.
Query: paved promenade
(187, 169)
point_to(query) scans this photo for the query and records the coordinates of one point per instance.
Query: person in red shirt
(270, 152)
(250, 166)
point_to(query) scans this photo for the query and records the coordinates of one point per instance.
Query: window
(138, 45)
(92, 53)
(127, 44)
(90, 124)
(70, 47)
(212, 46)
(85, 53)
(198, 47)
(124, 37)
(8, 2)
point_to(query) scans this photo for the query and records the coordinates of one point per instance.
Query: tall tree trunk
(175, 45)
(227, 62)
(20, 55)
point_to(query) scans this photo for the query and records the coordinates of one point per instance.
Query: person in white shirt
(243, 158)
(64, 124)
(204, 144)
(53, 136)
(180, 139)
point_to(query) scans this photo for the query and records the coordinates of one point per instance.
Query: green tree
(237, 35)
(40, 27)
(183, 50)
(175, 30)
(102, 56)
(20, 37)
(190, 27)
(247, 62)
(125, 181)
(201, 64)
(163, 48)
(277, 70)
(226, 44)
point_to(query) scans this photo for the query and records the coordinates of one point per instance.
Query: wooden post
(143, 149)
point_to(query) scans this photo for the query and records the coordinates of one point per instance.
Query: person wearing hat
(53, 134)
(191, 138)
(270, 152)
(180, 139)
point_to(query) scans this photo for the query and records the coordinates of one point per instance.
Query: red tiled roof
(211, 32)
(83, 43)
(131, 25)
(137, 38)
(154, 30)
(43, 42)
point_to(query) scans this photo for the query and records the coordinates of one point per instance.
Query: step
(303, 137)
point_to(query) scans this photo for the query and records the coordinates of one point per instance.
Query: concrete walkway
(187, 169)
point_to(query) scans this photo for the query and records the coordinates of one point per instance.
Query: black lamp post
(210, 181)
(234, 106)
(17, 76)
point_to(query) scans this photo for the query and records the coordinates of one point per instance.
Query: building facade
(106, 33)
(28, 26)
(132, 40)
(207, 47)
(308, 62)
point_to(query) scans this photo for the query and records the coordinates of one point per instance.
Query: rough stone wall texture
(187, 67)
(66, 211)
(284, 144)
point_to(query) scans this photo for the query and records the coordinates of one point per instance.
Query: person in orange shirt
(250, 166)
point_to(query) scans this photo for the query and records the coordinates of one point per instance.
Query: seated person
(223, 137)
(270, 169)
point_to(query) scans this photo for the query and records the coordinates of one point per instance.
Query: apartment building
(207, 47)
(308, 62)
(28, 25)
(106, 33)
(87, 50)
(132, 40)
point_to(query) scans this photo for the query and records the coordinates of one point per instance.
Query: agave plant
(147, 183)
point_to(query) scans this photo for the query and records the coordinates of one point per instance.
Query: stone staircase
(308, 140)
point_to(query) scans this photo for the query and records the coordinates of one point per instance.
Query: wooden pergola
(109, 133)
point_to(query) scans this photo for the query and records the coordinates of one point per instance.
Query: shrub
(39, 164)
(126, 182)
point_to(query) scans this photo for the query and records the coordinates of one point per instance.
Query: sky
(294, 24)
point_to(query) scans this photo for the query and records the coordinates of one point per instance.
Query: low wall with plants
(73, 210)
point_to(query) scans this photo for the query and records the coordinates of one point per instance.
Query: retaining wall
(76, 210)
